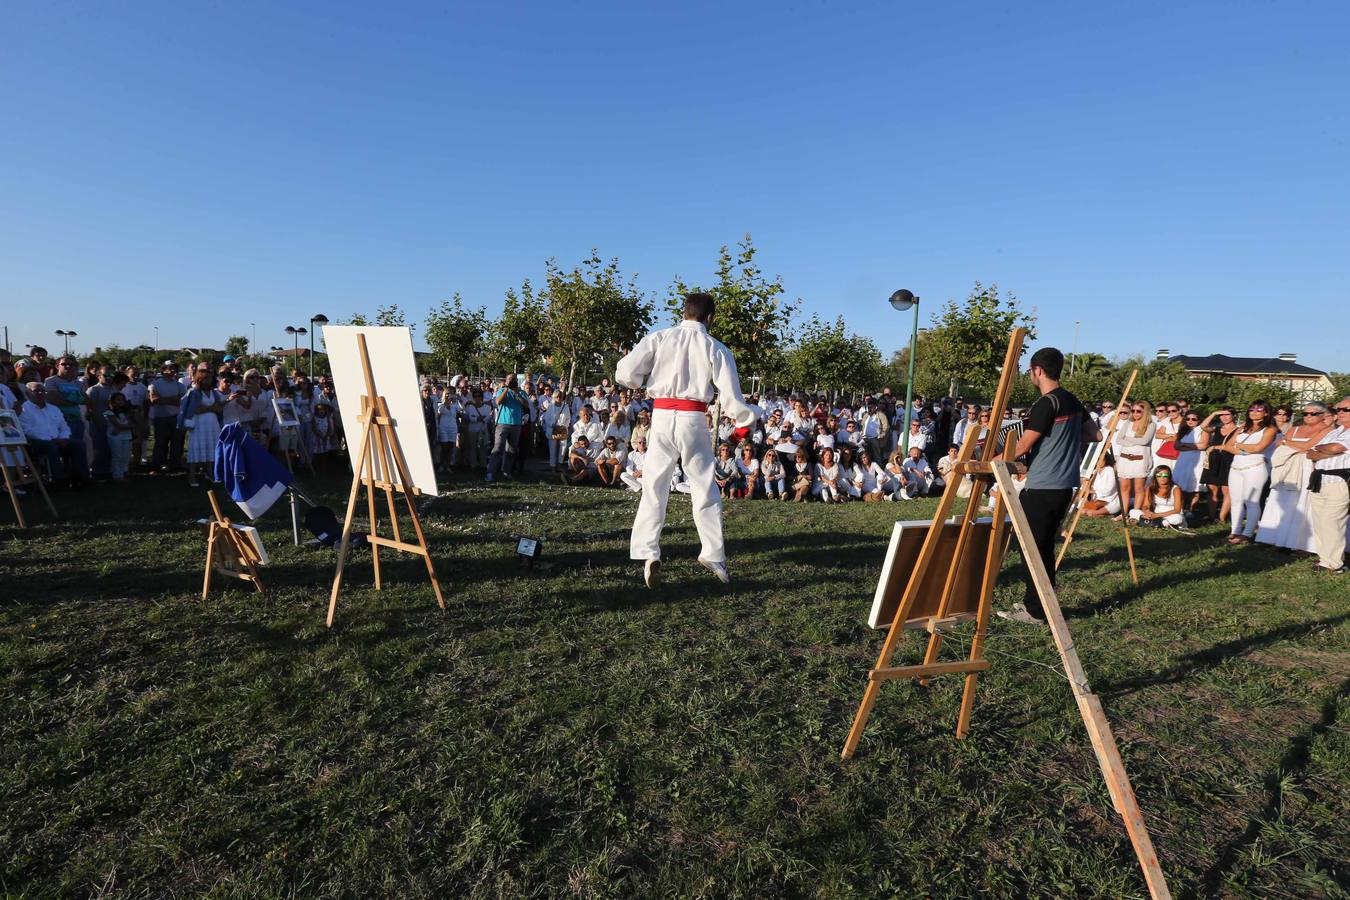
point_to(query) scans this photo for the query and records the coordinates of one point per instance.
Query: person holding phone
(512, 408)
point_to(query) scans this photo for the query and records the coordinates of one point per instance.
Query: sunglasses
(1311, 412)
(1257, 409)
(1161, 475)
(1342, 409)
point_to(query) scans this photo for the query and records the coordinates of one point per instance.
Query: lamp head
(902, 300)
(290, 329)
(320, 319)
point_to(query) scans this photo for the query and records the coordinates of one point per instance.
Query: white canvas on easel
(395, 370)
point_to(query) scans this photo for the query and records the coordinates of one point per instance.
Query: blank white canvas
(395, 369)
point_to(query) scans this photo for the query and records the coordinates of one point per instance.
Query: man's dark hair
(698, 306)
(1049, 359)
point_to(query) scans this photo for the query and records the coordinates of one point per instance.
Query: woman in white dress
(202, 408)
(870, 478)
(1105, 499)
(1190, 458)
(1251, 446)
(1168, 425)
(447, 426)
(1134, 454)
(828, 484)
(557, 419)
(1162, 503)
(1285, 520)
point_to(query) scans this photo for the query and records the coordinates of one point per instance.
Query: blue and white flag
(252, 476)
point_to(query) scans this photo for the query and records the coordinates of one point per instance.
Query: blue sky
(1169, 174)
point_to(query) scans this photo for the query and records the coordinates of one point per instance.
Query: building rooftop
(1285, 364)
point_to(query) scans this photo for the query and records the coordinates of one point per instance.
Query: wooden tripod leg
(396, 452)
(13, 495)
(1129, 549)
(346, 541)
(1094, 719)
(1068, 532)
(384, 449)
(373, 437)
(212, 532)
(998, 548)
(949, 586)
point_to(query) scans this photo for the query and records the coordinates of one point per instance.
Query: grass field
(563, 731)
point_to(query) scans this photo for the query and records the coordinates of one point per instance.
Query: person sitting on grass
(610, 459)
(748, 467)
(823, 439)
(802, 479)
(725, 472)
(895, 468)
(868, 478)
(771, 473)
(580, 465)
(1105, 499)
(632, 466)
(1162, 502)
(919, 476)
(829, 484)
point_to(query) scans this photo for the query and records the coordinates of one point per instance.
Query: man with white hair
(681, 367)
(1329, 501)
(48, 432)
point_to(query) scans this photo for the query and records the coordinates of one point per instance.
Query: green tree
(355, 319)
(1087, 364)
(828, 355)
(592, 311)
(971, 339)
(515, 339)
(1340, 386)
(455, 334)
(236, 345)
(751, 317)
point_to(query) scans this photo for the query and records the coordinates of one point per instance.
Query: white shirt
(43, 423)
(1334, 436)
(1104, 486)
(634, 462)
(917, 468)
(687, 363)
(593, 430)
(747, 468)
(871, 425)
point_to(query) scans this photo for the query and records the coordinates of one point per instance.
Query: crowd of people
(1273, 474)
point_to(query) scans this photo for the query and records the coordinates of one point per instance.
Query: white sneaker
(1019, 613)
(651, 573)
(717, 568)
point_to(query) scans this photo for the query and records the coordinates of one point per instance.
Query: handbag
(559, 433)
(1168, 450)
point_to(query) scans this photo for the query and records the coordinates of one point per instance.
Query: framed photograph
(285, 409)
(11, 435)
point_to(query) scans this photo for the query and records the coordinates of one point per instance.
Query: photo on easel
(11, 433)
(285, 410)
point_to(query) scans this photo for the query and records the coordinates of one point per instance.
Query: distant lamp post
(902, 300)
(67, 335)
(296, 332)
(253, 344)
(320, 319)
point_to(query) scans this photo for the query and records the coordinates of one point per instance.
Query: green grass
(563, 731)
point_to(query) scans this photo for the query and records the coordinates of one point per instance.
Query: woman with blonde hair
(1134, 455)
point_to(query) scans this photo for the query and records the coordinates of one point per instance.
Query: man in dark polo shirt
(1058, 428)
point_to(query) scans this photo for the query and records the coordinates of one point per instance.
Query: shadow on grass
(1210, 657)
(1294, 760)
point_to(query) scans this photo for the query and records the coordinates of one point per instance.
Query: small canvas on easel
(903, 555)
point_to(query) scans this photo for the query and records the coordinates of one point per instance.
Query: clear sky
(1170, 174)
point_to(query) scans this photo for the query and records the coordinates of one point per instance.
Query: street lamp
(320, 319)
(67, 335)
(253, 344)
(156, 339)
(902, 300)
(296, 332)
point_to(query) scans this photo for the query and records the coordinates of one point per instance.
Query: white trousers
(678, 437)
(1244, 489)
(634, 483)
(1328, 509)
(1176, 520)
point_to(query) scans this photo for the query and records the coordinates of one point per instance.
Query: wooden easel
(380, 464)
(24, 474)
(1086, 488)
(1007, 506)
(229, 551)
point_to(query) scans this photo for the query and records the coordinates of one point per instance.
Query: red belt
(680, 405)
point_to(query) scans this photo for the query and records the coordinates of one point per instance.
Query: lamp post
(253, 344)
(156, 339)
(902, 300)
(67, 335)
(296, 332)
(320, 319)
(1073, 356)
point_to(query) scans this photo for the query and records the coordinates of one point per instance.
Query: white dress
(1141, 446)
(1188, 465)
(201, 445)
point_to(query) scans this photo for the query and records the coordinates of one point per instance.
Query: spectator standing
(1134, 455)
(118, 430)
(98, 395)
(512, 409)
(165, 393)
(1218, 459)
(202, 409)
(138, 407)
(1190, 459)
(447, 427)
(66, 393)
(1330, 486)
(1251, 447)
(1286, 520)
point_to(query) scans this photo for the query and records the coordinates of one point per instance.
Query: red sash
(680, 405)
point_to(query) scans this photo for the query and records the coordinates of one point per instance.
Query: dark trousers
(50, 453)
(1045, 509)
(168, 452)
(102, 464)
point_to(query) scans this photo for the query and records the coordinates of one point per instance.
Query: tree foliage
(591, 311)
(455, 334)
(971, 338)
(236, 345)
(515, 339)
(751, 317)
(829, 356)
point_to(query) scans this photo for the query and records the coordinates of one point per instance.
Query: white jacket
(687, 363)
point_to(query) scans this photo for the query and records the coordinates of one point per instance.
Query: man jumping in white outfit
(680, 367)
